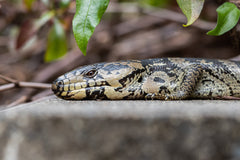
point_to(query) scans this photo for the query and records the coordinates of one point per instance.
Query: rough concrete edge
(206, 109)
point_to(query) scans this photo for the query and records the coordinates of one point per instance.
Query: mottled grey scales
(163, 78)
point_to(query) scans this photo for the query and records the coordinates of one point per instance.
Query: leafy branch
(54, 17)
(89, 12)
(228, 15)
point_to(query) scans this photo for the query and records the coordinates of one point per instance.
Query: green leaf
(28, 4)
(57, 43)
(228, 16)
(155, 3)
(87, 17)
(45, 17)
(191, 9)
(64, 3)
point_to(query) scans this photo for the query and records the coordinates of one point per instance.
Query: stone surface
(138, 130)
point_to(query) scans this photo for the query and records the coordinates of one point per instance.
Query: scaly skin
(165, 78)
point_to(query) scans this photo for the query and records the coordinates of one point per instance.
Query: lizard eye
(59, 83)
(90, 73)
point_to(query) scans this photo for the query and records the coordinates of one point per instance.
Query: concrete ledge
(91, 130)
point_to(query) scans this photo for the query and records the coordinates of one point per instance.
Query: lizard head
(98, 81)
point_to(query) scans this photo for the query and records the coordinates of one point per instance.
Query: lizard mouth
(84, 93)
(79, 90)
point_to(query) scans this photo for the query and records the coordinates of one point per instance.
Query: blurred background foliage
(155, 3)
(35, 32)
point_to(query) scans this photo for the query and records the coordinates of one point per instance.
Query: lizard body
(163, 78)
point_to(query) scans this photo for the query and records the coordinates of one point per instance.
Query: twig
(128, 7)
(7, 87)
(176, 17)
(34, 85)
(25, 85)
(137, 24)
(15, 84)
(8, 79)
